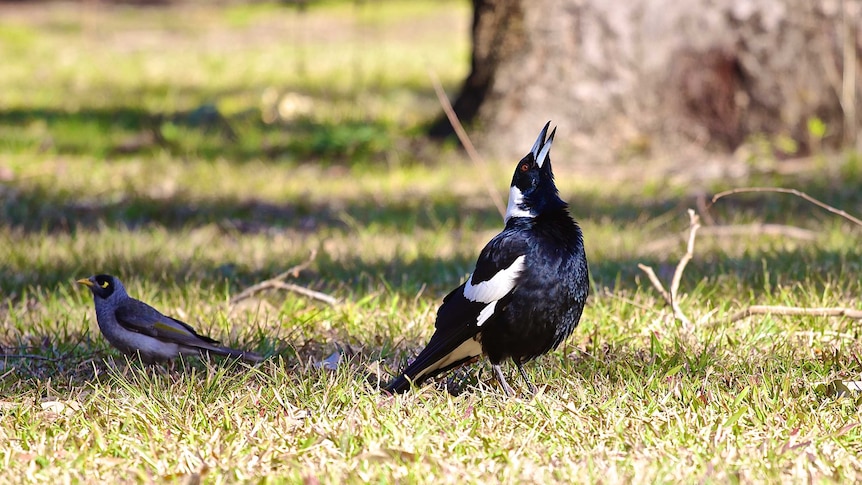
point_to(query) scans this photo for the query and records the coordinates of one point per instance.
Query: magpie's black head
(533, 190)
(102, 285)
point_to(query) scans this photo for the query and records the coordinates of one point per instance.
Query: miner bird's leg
(498, 373)
(520, 365)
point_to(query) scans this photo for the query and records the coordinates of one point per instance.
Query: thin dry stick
(61, 357)
(31, 357)
(280, 285)
(792, 232)
(792, 310)
(694, 225)
(785, 310)
(672, 297)
(465, 141)
(703, 209)
(848, 88)
(795, 192)
(277, 283)
(656, 283)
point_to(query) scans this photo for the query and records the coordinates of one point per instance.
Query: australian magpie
(528, 290)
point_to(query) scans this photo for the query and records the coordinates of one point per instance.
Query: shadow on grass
(823, 270)
(75, 362)
(202, 132)
(207, 133)
(37, 210)
(82, 358)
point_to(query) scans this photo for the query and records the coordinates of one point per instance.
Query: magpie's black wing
(456, 339)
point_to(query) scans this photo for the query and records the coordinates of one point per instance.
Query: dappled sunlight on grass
(146, 83)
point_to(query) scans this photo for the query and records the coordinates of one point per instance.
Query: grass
(150, 143)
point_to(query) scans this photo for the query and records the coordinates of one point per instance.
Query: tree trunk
(497, 33)
(655, 77)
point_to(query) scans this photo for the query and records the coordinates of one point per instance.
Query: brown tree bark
(631, 77)
(497, 32)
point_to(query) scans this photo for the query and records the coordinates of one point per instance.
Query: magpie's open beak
(85, 282)
(540, 141)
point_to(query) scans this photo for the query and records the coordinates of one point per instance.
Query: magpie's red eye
(525, 167)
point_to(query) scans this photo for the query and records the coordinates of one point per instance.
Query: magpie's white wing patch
(513, 209)
(497, 287)
(486, 313)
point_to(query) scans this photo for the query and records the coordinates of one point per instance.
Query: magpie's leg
(520, 365)
(498, 373)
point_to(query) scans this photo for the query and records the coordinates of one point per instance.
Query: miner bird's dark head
(103, 286)
(533, 190)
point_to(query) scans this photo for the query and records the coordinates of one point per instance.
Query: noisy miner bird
(527, 292)
(136, 328)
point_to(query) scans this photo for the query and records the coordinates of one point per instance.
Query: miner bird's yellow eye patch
(105, 284)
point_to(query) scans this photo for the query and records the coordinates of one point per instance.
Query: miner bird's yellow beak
(85, 282)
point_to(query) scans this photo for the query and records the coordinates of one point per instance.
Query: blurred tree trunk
(650, 76)
(496, 34)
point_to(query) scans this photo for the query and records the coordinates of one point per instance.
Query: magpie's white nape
(527, 292)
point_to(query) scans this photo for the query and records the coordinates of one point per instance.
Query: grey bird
(136, 328)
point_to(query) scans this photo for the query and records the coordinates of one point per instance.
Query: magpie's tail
(445, 351)
(399, 385)
(429, 365)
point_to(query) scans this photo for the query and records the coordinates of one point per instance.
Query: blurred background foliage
(318, 82)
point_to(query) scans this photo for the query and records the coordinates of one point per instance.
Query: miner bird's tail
(250, 357)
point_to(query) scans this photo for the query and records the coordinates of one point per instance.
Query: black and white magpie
(527, 292)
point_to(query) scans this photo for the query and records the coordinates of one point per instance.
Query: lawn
(195, 151)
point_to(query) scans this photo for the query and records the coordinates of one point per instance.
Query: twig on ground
(782, 190)
(703, 208)
(672, 296)
(694, 225)
(792, 232)
(277, 283)
(465, 141)
(32, 357)
(849, 18)
(792, 310)
(656, 282)
(280, 285)
(64, 356)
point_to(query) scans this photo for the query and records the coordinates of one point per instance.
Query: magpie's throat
(516, 205)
